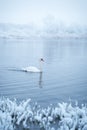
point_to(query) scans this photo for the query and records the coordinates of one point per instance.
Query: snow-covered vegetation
(49, 29)
(27, 115)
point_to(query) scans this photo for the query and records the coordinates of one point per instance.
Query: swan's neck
(40, 65)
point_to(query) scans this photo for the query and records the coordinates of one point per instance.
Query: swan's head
(41, 60)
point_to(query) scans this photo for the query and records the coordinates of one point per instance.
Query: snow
(63, 116)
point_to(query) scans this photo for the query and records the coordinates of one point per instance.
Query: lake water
(64, 74)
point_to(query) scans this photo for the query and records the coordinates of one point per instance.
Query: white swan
(34, 69)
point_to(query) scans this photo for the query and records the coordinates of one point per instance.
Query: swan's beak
(42, 59)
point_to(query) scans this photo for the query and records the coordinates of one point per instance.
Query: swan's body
(34, 69)
(31, 69)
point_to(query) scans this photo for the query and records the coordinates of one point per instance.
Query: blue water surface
(64, 74)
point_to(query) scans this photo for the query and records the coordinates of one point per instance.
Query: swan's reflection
(40, 80)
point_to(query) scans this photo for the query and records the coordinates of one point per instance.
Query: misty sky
(26, 11)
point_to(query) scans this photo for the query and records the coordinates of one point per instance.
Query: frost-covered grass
(63, 116)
